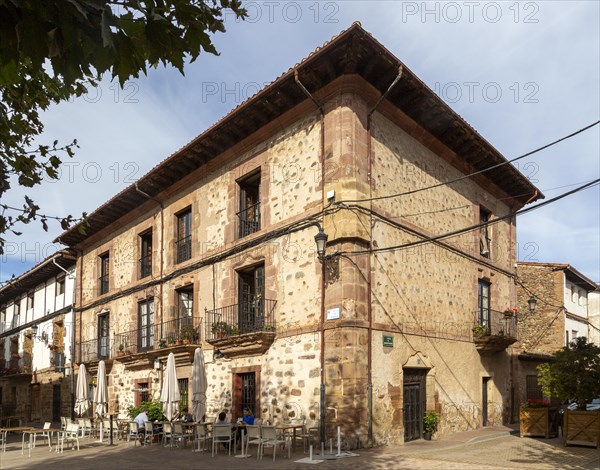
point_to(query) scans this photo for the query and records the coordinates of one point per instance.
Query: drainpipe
(162, 240)
(370, 262)
(322, 320)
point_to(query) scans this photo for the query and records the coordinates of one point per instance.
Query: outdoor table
(33, 432)
(293, 427)
(6, 430)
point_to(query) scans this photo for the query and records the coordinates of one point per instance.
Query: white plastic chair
(71, 434)
(132, 431)
(3, 440)
(44, 435)
(221, 434)
(253, 436)
(202, 435)
(270, 439)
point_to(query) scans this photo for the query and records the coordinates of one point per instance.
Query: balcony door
(146, 325)
(483, 301)
(103, 336)
(251, 299)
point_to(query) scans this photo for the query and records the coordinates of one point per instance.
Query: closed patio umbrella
(101, 395)
(82, 392)
(198, 386)
(169, 395)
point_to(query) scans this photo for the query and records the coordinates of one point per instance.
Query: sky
(523, 74)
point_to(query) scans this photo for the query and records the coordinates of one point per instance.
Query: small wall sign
(388, 341)
(333, 313)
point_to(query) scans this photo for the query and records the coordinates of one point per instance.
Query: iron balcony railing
(490, 322)
(237, 319)
(249, 220)
(184, 248)
(185, 330)
(145, 266)
(161, 335)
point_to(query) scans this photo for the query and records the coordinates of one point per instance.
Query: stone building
(35, 341)
(215, 247)
(564, 310)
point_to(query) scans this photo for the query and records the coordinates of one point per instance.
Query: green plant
(574, 373)
(154, 410)
(162, 343)
(222, 327)
(189, 332)
(269, 327)
(430, 421)
(171, 339)
(481, 330)
(121, 347)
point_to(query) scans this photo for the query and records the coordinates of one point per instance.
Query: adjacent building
(215, 248)
(566, 308)
(36, 317)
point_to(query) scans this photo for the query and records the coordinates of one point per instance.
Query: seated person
(247, 420)
(187, 417)
(141, 419)
(221, 419)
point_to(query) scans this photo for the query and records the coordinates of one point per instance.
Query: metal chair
(132, 431)
(151, 432)
(221, 434)
(44, 435)
(167, 433)
(3, 440)
(70, 434)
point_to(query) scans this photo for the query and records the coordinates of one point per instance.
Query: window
(245, 388)
(567, 338)
(483, 303)
(3, 324)
(16, 313)
(574, 297)
(185, 306)
(142, 393)
(104, 273)
(30, 297)
(145, 254)
(573, 335)
(184, 236)
(249, 214)
(251, 312)
(183, 392)
(60, 286)
(103, 336)
(533, 390)
(484, 232)
(59, 361)
(146, 324)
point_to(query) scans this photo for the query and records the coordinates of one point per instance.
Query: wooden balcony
(494, 332)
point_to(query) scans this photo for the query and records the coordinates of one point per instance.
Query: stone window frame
(177, 236)
(248, 180)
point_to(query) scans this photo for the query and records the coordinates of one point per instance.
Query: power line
(473, 227)
(460, 178)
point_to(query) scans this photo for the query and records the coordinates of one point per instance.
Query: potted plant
(121, 349)
(575, 374)
(430, 422)
(221, 329)
(479, 331)
(510, 312)
(162, 343)
(189, 334)
(171, 340)
(534, 418)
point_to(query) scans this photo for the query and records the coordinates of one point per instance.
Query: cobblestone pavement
(492, 448)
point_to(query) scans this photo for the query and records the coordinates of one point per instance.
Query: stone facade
(357, 325)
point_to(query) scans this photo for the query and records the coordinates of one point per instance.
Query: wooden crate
(534, 422)
(582, 428)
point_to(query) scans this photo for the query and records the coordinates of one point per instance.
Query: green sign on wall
(388, 341)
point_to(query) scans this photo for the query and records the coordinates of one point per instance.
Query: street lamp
(34, 330)
(532, 302)
(321, 241)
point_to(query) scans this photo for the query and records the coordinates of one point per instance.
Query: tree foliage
(575, 373)
(53, 50)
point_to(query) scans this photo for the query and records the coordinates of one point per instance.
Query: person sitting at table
(187, 417)
(247, 420)
(222, 421)
(141, 419)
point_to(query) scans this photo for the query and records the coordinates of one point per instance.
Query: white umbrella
(82, 392)
(198, 386)
(101, 395)
(169, 394)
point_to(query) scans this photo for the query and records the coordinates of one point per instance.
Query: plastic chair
(270, 439)
(71, 434)
(253, 436)
(132, 431)
(167, 433)
(221, 434)
(3, 440)
(151, 432)
(44, 435)
(202, 435)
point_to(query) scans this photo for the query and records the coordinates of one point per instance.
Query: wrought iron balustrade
(495, 323)
(238, 319)
(184, 249)
(249, 220)
(93, 350)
